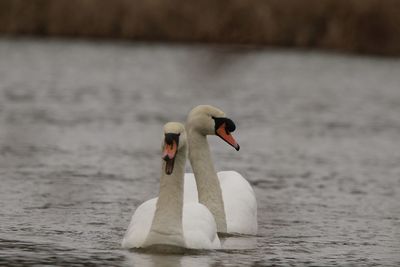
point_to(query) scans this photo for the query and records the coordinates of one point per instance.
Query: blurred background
(364, 26)
(313, 87)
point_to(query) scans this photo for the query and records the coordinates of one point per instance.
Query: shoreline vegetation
(359, 26)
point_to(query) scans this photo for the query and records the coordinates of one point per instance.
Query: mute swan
(166, 221)
(228, 196)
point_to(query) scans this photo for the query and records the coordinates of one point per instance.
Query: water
(80, 128)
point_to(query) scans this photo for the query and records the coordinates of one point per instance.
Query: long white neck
(166, 228)
(208, 186)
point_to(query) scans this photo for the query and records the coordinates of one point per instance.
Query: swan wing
(240, 203)
(140, 224)
(199, 227)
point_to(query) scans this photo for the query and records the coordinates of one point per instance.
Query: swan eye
(229, 124)
(170, 137)
(223, 129)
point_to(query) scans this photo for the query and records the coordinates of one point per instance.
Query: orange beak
(227, 137)
(169, 156)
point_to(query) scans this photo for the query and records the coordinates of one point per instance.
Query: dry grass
(366, 26)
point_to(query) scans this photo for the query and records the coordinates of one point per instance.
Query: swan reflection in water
(195, 258)
(154, 260)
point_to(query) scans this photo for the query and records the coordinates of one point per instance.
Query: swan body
(228, 195)
(167, 220)
(199, 228)
(239, 200)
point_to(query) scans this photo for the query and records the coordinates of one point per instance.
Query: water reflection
(196, 258)
(239, 242)
(154, 260)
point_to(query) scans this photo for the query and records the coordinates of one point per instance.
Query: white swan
(228, 196)
(166, 220)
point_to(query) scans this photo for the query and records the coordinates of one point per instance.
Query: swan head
(209, 120)
(173, 142)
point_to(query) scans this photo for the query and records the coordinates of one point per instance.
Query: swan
(166, 221)
(228, 195)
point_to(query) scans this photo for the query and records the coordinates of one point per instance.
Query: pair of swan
(192, 208)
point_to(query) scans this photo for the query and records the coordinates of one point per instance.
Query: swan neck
(167, 226)
(208, 186)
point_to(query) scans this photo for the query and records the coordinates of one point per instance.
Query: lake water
(80, 129)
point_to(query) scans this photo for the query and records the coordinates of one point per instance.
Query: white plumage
(226, 194)
(199, 228)
(239, 201)
(167, 220)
